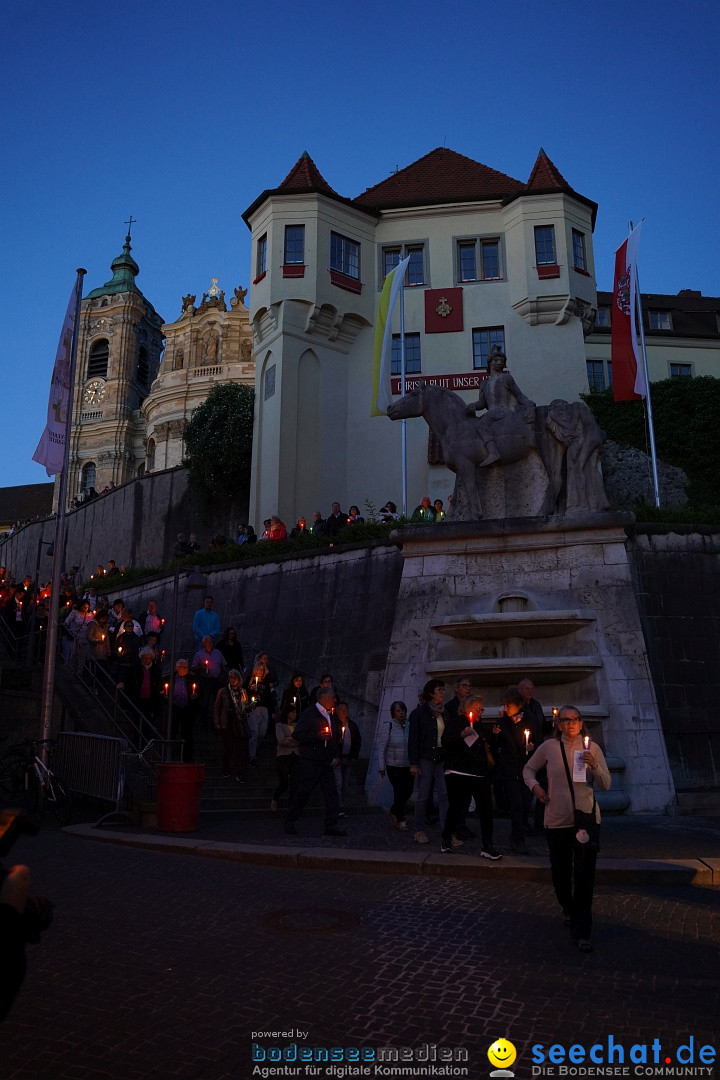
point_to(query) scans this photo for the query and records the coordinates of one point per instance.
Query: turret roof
(125, 270)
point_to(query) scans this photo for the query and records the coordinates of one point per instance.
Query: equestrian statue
(563, 438)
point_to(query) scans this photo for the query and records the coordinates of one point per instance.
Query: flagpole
(403, 423)
(648, 397)
(48, 690)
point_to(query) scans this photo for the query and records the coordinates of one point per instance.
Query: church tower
(119, 345)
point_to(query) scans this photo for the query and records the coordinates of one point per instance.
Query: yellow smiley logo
(502, 1053)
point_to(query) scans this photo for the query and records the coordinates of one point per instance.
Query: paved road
(163, 965)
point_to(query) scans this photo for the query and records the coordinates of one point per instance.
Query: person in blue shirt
(206, 623)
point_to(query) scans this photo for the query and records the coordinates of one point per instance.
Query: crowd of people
(540, 772)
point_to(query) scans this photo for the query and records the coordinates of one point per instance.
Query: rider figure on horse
(500, 395)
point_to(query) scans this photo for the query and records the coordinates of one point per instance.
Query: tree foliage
(686, 414)
(218, 444)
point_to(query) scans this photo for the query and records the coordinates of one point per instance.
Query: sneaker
(457, 842)
(402, 825)
(446, 849)
(421, 837)
(273, 805)
(490, 853)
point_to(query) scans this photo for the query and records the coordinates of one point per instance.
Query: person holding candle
(350, 740)
(99, 641)
(287, 753)
(572, 853)
(393, 759)
(260, 705)
(184, 698)
(512, 747)
(146, 689)
(208, 668)
(467, 774)
(230, 719)
(296, 693)
(151, 621)
(318, 751)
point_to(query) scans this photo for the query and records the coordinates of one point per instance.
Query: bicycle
(42, 788)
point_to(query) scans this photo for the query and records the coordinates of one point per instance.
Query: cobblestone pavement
(163, 966)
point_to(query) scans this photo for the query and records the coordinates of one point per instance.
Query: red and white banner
(627, 369)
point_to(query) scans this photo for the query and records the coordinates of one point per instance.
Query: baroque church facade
(132, 400)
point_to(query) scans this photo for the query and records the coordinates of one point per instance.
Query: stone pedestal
(550, 599)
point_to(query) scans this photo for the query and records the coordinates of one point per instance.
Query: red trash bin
(179, 791)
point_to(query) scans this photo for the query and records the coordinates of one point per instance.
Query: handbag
(587, 830)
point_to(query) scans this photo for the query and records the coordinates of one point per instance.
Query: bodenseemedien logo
(502, 1054)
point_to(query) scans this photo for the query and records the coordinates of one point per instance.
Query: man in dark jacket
(318, 753)
(513, 746)
(427, 723)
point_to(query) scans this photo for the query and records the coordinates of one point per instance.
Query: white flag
(51, 448)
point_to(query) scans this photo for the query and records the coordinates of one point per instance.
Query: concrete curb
(702, 872)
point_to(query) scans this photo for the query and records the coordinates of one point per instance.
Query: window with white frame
(261, 256)
(599, 374)
(484, 340)
(344, 255)
(603, 317)
(660, 320)
(681, 371)
(478, 260)
(545, 245)
(294, 245)
(415, 274)
(412, 354)
(578, 246)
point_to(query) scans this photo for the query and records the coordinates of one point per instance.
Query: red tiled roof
(546, 176)
(439, 177)
(305, 176)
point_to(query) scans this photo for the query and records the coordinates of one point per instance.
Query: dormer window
(660, 320)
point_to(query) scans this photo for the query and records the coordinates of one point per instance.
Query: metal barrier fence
(92, 765)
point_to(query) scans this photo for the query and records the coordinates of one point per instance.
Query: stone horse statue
(563, 435)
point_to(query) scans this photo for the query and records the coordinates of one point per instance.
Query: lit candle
(586, 741)
(326, 731)
(162, 622)
(102, 637)
(470, 718)
(119, 648)
(294, 701)
(526, 733)
(167, 687)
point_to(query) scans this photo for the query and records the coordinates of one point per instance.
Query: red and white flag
(51, 448)
(628, 373)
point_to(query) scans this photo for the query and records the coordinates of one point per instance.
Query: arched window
(98, 359)
(150, 455)
(87, 476)
(143, 366)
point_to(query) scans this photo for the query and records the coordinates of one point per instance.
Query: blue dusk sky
(182, 113)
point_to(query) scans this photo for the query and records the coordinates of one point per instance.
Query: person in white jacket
(573, 764)
(393, 760)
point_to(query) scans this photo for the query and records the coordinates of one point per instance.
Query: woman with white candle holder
(574, 763)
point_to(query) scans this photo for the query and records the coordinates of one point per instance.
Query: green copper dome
(125, 270)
